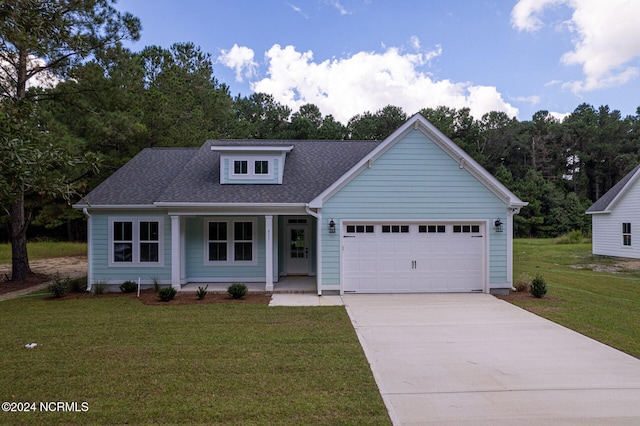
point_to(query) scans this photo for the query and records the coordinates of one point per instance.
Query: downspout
(89, 250)
(318, 216)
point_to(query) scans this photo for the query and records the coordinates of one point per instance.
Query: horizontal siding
(607, 228)
(415, 179)
(100, 254)
(197, 269)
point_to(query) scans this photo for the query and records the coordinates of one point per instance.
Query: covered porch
(281, 255)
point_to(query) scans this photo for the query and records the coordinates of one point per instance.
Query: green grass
(198, 364)
(602, 305)
(44, 249)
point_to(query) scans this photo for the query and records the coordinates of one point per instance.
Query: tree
(42, 39)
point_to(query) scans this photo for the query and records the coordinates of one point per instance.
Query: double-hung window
(135, 242)
(231, 240)
(626, 234)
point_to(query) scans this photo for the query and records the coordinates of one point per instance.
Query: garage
(413, 257)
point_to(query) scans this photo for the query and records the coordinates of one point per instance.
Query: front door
(298, 249)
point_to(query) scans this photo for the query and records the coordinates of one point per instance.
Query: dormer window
(262, 165)
(240, 167)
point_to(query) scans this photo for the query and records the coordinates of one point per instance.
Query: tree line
(109, 103)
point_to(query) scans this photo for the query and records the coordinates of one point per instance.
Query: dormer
(252, 164)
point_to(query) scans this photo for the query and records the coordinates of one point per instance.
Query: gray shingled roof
(602, 204)
(193, 176)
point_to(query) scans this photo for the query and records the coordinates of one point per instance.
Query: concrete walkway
(473, 359)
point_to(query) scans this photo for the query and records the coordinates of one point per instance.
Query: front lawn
(198, 364)
(593, 295)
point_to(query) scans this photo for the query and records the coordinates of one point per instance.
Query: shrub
(202, 291)
(522, 285)
(58, 287)
(99, 288)
(538, 287)
(237, 290)
(128, 287)
(167, 293)
(78, 285)
(156, 284)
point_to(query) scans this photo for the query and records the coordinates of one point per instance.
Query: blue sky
(352, 56)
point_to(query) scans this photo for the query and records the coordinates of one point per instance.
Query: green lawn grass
(602, 305)
(44, 249)
(199, 364)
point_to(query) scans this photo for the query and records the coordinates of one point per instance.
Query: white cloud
(298, 10)
(339, 6)
(239, 58)
(533, 99)
(369, 81)
(607, 38)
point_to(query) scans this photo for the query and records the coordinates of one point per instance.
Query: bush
(156, 284)
(237, 290)
(99, 288)
(128, 287)
(58, 287)
(522, 285)
(202, 291)
(538, 287)
(78, 285)
(167, 293)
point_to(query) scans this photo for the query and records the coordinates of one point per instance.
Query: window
(360, 229)
(431, 229)
(123, 241)
(395, 229)
(218, 241)
(135, 242)
(240, 167)
(262, 167)
(231, 241)
(626, 234)
(466, 229)
(149, 241)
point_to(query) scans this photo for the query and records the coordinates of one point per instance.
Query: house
(615, 217)
(412, 213)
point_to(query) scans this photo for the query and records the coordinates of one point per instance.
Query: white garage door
(413, 257)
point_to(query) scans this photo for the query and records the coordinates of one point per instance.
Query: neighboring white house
(615, 219)
(412, 213)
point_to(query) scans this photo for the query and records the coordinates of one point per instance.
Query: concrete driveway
(474, 359)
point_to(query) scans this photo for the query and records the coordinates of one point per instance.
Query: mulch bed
(149, 297)
(524, 295)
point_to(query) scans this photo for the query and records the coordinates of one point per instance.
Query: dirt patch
(621, 265)
(149, 297)
(44, 270)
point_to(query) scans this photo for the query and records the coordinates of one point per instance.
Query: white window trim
(230, 241)
(135, 263)
(251, 168)
(627, 246)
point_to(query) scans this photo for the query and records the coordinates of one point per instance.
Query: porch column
(175, 252)
(268, 243)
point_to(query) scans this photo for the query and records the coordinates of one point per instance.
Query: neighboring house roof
(605, 203)
(191, 176)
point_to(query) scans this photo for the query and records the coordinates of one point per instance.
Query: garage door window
(466, 229)
(395, 229)
(360, 229)
(431, 229)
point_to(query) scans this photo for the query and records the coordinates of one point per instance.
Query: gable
(418, 175)
(447, 155)
(614, 195)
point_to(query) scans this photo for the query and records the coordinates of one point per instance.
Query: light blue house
(412, 213)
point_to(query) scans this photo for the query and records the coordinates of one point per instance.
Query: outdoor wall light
(498, 225)
(332, 227)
